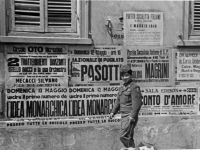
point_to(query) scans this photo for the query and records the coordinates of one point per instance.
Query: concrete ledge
(188, 43)
(48, 40)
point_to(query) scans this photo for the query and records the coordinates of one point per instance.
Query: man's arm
(116, 106)
(136, 100)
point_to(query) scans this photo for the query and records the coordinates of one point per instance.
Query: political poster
(143, 28)
(152, 66)
(99, 66)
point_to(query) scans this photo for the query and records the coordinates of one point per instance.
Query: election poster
(99, 66)
(152, 66)
(143, 28)
(169, 101)
(188, 65)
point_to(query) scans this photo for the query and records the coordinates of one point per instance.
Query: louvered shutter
(27, 15)
(60, 16)
(195, 18)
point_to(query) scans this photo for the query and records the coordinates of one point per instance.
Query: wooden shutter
(195, 18)
(60, 16)
(27, 15)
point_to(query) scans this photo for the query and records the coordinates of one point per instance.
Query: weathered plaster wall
(162, 132)
(103, 10)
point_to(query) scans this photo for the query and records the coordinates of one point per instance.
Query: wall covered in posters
(169, 118)
(72, 87)
(86, 106)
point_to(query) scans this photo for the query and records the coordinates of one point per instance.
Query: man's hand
(131, 120)
(111, 115)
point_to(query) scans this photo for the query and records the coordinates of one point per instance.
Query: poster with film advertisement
(169, 101)
(188, 64)
(152, 66)
(36, 77)
(99, 66)
(143, 28)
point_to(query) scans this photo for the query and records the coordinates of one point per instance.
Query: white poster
(152, 66)
(188, 65)
(143, 28)
(169, 101)
(36, 81)
(99, 66)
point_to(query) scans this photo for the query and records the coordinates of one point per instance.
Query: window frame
(27, 28)
(72, 29)
(187, 38)
(82, 22)
(191, 19)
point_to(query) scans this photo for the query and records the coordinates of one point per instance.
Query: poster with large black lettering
(62, 107)
(169, 101)
(99, 66)
(36, 80)
(152, 65)
(92, 101)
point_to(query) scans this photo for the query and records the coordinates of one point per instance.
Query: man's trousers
(127, 131)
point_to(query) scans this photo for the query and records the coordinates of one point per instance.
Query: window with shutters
(195, 18)
(46, 16)
(191, 24)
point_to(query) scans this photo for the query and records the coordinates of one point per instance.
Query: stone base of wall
(162, 133)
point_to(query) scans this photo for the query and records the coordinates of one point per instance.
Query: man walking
(129, 102)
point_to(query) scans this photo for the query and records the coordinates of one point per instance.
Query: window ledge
(188, 43)
(49, 40)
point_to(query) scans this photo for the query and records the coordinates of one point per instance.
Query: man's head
(126, 73)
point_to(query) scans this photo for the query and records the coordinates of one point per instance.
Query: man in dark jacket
(129, 102)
